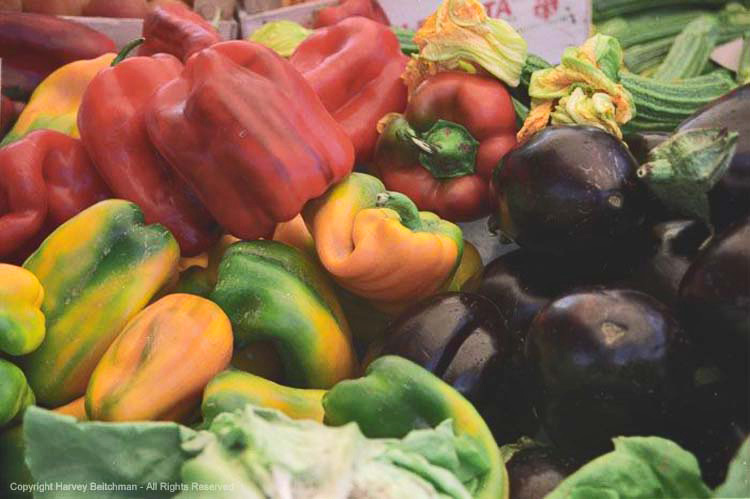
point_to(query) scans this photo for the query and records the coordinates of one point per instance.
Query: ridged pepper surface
(442, 151)
(397, 396)
(248, 133)
(55, 102)
(157, 367)
(113, 129)
(274, 293)
(45, 179)
(376, 244)
(33, 45)
(172, 28)
(98, 270)
(232, 390)
(355, 68)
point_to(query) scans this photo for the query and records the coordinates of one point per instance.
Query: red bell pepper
(45, 179)
(172, 28)
(441, 153)
(370, 9)
(113, 129)
(355, 68)
(34, 45)
(247, 132)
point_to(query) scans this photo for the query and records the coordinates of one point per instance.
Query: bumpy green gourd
(98, 270)
(607, 9)
(743, 71)
(649, 26)
(397, 396)
(690, 51)
(275, 293)
(661, 106)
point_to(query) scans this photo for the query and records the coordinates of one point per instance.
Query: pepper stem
(447, 150)
(126, 50)
(402, 205)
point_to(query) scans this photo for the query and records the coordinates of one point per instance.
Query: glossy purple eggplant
(463, 339)
(606, 363)
(715, 298)
(641, 143)
(674, 247)
(520, 284)
(730, 198)
(712, 421)
(569, 188)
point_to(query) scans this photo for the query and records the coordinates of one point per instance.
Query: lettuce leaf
(638, 468)
(283, 37)
(59, 450)
(249, 453)
(263, 453)
(737, 483)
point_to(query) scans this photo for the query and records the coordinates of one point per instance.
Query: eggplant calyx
(682, 170)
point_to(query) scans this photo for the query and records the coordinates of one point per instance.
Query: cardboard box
(548, 25)
(301, 13)
(208, 8)
(124, 30)
(257, 6)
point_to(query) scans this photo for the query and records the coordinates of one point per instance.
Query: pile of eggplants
(610, 318)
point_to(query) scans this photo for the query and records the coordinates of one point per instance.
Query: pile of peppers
(196, 224)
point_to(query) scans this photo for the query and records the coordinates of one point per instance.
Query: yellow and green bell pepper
(98, 270)
(273, 293)
(22, 330)
(55, 102)
(232, 390)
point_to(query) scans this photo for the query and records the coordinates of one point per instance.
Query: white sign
(547, 25)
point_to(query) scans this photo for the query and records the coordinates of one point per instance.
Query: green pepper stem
(126, 50)
(402, 205)
(448, 150)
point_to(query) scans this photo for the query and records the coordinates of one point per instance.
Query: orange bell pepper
(376, 244)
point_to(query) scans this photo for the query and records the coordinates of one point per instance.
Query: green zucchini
(661, 106)
(734, 20)
(650, 26)
(406, 39)
(607, 9)
(521, 92)
(743, 71)
(690, 51)
(522, 111)
(644, 56)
